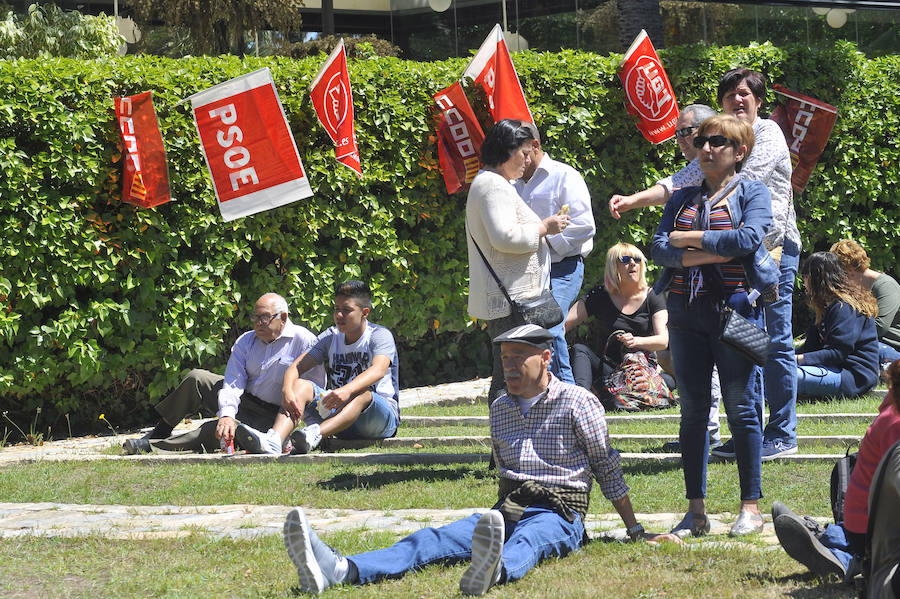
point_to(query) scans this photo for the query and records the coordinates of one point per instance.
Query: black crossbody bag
(542, 310)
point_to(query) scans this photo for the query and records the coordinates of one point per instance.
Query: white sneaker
(254, 441)
(307, 439)
(487, 549)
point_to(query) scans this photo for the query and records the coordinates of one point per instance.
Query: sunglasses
(715, 141)
(630, 259)
(685, 132)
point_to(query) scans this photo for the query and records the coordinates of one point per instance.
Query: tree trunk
(635, 15)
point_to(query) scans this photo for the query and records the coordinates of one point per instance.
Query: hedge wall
(105, 306)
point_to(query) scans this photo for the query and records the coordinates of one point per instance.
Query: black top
(608, 318)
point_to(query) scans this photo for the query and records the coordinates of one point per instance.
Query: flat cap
(529, 334)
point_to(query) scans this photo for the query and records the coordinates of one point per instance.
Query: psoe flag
(248, 146)
(145, 180)
(459, 138)
(493, 69)
(333, 101)
(807, 124)
(648, 92)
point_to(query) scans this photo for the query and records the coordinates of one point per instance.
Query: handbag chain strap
(491, 270)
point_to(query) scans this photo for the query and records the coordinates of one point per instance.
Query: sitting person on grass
(249, 393)
(829, 550)
(840, 355)
(550, 439)
(364, 399)
(887, 295)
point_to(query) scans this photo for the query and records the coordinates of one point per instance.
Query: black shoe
(135, 446)
(779, 509)
(725, 450)
(801, 544)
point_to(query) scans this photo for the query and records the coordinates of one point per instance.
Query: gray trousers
(198, 393)
(495, 328)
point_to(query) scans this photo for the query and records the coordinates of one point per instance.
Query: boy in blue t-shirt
(363, 399)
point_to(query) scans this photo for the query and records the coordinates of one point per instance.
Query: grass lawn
(200, 566)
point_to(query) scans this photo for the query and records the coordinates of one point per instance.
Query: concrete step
(485, 440)
(427, 421)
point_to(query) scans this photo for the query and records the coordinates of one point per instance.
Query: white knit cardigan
(508, 232)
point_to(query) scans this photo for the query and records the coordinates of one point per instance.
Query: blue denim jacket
(750, 206)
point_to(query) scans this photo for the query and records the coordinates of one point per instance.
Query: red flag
(493, 69)
(459, 138)
(807, 124)
(248, 146)
(333, 101)
(146, 174)
(648, 91)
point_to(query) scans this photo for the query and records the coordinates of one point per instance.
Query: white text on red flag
(648, 93)
(493, 69)
(333, 102)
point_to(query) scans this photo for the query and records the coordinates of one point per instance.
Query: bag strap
(491, 270)
(612, 336)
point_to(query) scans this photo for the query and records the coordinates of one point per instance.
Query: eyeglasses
(630, 259)
(263, 319)
(685, 132)
(715, 141)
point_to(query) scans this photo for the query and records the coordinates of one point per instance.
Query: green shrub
(104, 306)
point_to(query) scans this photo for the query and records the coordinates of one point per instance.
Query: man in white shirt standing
(550, 187)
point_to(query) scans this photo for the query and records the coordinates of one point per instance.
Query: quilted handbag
(744, 337)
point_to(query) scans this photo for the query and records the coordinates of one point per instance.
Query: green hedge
(104, 306)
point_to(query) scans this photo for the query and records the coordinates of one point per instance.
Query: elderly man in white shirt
(550, 187)
(250, 391)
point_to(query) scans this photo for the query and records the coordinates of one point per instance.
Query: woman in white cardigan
(509, 233)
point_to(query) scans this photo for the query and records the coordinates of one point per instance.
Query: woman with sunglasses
(623, 303)
(710, 244)
(741, 93)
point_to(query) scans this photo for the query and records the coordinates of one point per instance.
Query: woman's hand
(628, 340)
(555, 223)
(686, 239)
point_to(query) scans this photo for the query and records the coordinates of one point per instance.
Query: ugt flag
(648, 92)
(807, 124)
(145, 180)
(248, 146)
(459, 138)
(333, 101)
(492, 68)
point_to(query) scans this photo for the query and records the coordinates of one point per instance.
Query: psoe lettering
(236, 158)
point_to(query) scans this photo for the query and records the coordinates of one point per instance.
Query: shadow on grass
(346, 481)
(814, 586)
(651, 468)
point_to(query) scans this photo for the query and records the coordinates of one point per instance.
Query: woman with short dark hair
(508, 233)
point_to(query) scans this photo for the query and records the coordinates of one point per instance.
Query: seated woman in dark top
(624, 302)
(840, 355)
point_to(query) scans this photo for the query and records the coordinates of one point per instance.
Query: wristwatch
(635, 531)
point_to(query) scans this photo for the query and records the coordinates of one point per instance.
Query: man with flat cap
(549, 439)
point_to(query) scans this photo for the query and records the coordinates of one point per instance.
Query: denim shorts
(377, 421)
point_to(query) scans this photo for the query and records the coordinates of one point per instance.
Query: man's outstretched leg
(486, 568)
(318, 565)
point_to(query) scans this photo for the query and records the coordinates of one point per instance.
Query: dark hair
(892, 374)
(356, 290)
(827, 282)
(504, 138)
(730, 80)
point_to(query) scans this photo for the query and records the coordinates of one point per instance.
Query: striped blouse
(732, 272)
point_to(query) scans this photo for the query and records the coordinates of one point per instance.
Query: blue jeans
(780, 370)
(541, 533)
(378, 421)
(818, 381)
(566, 277)
(835, 539)
(886, 353)
(694, 341)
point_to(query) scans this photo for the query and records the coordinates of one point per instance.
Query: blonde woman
(624, 302)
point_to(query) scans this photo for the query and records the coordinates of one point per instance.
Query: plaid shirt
(561, 442)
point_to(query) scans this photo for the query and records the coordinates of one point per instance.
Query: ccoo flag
(146, 174)
(459, 138)
(492, 68)
(333, 102)
(807, 124)
(648, 92)
(248, 146)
